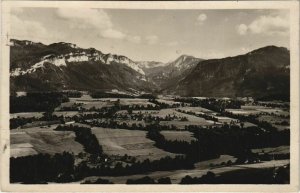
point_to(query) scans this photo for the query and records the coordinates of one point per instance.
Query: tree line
(39, 101)
(85, 137)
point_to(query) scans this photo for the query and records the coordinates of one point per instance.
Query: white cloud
(152, 39)
(242, 29)
(201, 18)
(267, 24)
(134, 39)
(270, 25)
(94, 17)
(97, 19)
(22, 29)
(114, 34)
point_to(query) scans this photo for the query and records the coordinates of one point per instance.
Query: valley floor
(121, 134)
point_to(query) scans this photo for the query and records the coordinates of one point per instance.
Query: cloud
(22, 29)
(266, 24)
(152, 39)
(111, 33)
(95, 19)
(201, 18)
(134, 39)
(242, 29)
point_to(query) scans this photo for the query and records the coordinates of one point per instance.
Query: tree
(144, 180)
(166, 180)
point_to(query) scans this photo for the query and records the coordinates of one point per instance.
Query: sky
(155, 35)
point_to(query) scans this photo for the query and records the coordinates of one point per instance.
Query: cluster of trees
(42, 168)
(194, 150)
(273, 104)
(148, 180)
(284, 123)
(164, 105)
(101, 94)
(131, 108)
(73, 93)
(32, 102)
(174, 146)
(148, 117)
(205, 116)
(280, 175)
(98, 181)
(235, 141)
(47, 119)
(74, 107)
(112, 124)
(164, 164)
(208, 178)
(279, 97)
(251, 119)
(218, 105)
(151, 118)
(140, 107)
(147, 96)
(272, 156)
(20, 121)
(84, 136)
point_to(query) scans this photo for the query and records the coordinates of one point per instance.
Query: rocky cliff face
(64, 65)
(59, 54)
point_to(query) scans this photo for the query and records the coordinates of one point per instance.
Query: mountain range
(38, 67)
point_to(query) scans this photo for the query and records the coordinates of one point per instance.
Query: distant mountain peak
(15, 42)
(270, 48)
(185, 56)
(184, 61)
(249, 74)
(150, 64)
(65, 44)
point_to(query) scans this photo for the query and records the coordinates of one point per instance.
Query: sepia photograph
(146, 93)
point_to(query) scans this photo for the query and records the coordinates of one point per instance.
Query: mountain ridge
(66, 66)
(257, 73)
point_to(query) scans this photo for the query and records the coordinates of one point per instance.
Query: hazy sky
(159, 35)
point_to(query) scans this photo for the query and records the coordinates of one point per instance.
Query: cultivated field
(43, 140)
(198, 110)
(167, 101)
(276, 121)
(178, 135)
(222, 160)
(26, 115)
(38, 136)
(273, 150)
(65, 113)
(131, 142)
(254, 109)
